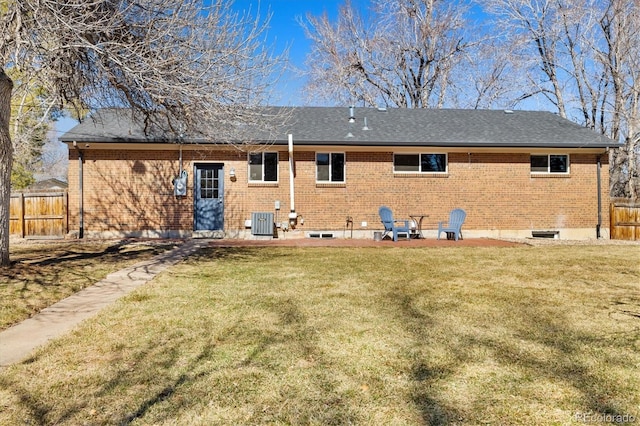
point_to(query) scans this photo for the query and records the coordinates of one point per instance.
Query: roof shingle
(380, 127)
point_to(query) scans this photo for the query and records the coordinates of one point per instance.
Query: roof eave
(347, 143)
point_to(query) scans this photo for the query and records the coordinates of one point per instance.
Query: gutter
(80, 190)
(384, 145)
(599, 182)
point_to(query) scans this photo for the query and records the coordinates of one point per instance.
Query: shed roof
(51, 184)
(376, 127)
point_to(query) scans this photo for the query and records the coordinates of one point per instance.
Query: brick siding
(132, 190)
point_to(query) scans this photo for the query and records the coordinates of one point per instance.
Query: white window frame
(419, 155)
(548, 171)
(262, 173)
(344, 168)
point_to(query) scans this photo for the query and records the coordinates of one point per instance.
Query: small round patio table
(417, 219)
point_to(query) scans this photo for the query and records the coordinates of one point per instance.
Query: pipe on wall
(293, 215)
(598, 178)
(80, 191)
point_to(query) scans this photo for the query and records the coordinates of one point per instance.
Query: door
(208, 198)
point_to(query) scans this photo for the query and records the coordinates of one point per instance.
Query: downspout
(292, 215)
(599, 166)
(80, 191)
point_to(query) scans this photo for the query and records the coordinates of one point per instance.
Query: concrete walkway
(17, 342)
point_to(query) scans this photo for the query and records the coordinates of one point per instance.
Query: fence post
(65, 213)
(21, 216)
(612, 222)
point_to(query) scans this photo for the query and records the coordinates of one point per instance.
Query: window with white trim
(551, 163)
(263, 167)
(420, 163)
(330, 166)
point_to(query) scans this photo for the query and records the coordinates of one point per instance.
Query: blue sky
(285, 31)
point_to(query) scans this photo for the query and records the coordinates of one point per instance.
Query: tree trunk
(6, 161)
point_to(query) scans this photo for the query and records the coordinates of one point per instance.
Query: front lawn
(370, 336)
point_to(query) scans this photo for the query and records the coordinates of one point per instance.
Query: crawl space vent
(321, 235)
(545, 234)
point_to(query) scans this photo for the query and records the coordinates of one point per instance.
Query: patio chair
(386, 217)
(454, 227)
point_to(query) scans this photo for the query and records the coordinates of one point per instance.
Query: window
(549, 163)
(263, 167)
(330, 167)
(420, 163)
(209, 183)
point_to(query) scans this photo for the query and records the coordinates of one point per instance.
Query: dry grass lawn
(46, 272)
(335, 336)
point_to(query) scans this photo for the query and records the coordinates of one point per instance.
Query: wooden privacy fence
(42, 214)
(625, 219)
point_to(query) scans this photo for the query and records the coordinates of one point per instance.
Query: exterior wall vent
(321, 235)
(545, 234)
(262, 223)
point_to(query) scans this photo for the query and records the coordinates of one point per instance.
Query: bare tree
(531, 34)
(404, 54)
(183, 66)
(491, 79)
(620, 25)
(54, 160)
(6, 160)
(583, 58)
(32, 113)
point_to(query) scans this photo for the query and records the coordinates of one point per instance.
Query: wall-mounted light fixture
(232, 173)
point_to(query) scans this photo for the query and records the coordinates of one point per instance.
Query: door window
(209, 184)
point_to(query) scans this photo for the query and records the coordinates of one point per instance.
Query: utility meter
(180, 184)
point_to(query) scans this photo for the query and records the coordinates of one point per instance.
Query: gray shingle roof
(389, 127)
(48, 184)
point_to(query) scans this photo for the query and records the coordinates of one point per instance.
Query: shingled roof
(379, 127)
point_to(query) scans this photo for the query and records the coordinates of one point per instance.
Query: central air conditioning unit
(262, 224)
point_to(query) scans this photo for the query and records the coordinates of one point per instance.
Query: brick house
(328, 170)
